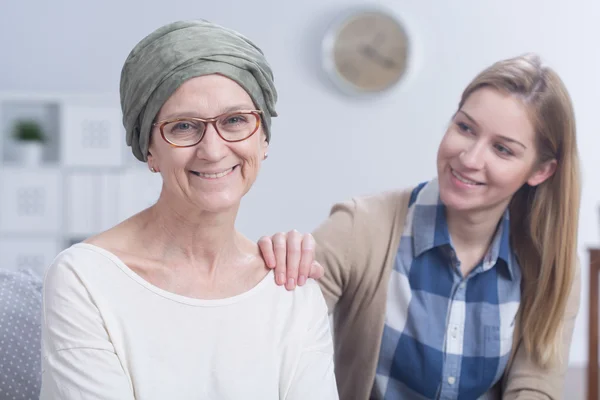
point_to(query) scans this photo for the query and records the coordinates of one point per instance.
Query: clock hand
(378, 39)
(389, 63)
(371, 53)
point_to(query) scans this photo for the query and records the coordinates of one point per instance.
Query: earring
(266, 155)
(152, 169)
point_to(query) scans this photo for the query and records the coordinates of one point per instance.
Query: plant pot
(30, 153)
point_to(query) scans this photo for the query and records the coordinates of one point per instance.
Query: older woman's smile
(215, 174)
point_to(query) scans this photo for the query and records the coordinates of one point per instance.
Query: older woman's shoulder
(81, 262)
(301, 305)
(306, 323)
(82, 253)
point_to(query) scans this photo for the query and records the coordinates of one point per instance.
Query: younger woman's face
(488, 153)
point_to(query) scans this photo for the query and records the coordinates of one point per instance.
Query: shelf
(85, 182)
(28, 253)
(30, 200)
(92, 136)
(45, 113)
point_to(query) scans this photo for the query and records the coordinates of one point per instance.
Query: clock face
(367, 51)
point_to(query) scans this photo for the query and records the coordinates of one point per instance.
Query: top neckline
(173, 296)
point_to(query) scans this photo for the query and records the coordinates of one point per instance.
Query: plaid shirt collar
(424, 240)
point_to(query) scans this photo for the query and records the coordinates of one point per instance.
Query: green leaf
(28, 131)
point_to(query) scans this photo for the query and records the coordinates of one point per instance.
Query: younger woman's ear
(543, 172)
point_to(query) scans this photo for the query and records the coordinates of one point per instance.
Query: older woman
(174, 302)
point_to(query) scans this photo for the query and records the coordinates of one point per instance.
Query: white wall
(348, 146)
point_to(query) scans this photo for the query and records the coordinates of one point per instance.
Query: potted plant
(30, 139)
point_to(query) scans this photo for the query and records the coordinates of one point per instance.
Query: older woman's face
(214, 174)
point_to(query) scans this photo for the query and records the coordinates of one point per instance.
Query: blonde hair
(544, 218)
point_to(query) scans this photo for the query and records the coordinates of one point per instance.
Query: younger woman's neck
(473, 231)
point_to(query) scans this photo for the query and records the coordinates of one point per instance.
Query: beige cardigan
(357, 246)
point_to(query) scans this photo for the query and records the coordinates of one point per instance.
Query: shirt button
(451, 380)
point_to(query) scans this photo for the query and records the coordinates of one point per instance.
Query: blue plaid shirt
(445, 336)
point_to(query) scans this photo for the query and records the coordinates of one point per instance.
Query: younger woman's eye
(503, 150)
(464, 127)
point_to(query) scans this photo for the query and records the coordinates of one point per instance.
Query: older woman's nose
(212, 146)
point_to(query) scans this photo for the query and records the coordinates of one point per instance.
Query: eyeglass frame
(213, 121)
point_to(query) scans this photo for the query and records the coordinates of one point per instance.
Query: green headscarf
(176, 52)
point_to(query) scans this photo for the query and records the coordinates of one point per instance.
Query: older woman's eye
(235, 119)
(182, 126)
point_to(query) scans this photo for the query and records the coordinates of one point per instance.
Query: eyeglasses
(231, 127)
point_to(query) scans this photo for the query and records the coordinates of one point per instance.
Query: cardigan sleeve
(357, 245)
(334, 238)
(527, 380)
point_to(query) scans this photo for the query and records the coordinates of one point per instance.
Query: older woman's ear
(265, 146)
(151, 163)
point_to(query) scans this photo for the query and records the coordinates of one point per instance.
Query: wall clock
(366, 51)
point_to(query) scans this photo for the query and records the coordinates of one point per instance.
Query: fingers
(265, 244)
(292, 256)
(294, 243)
(279, 248)
(307, 256)
(316, 270)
